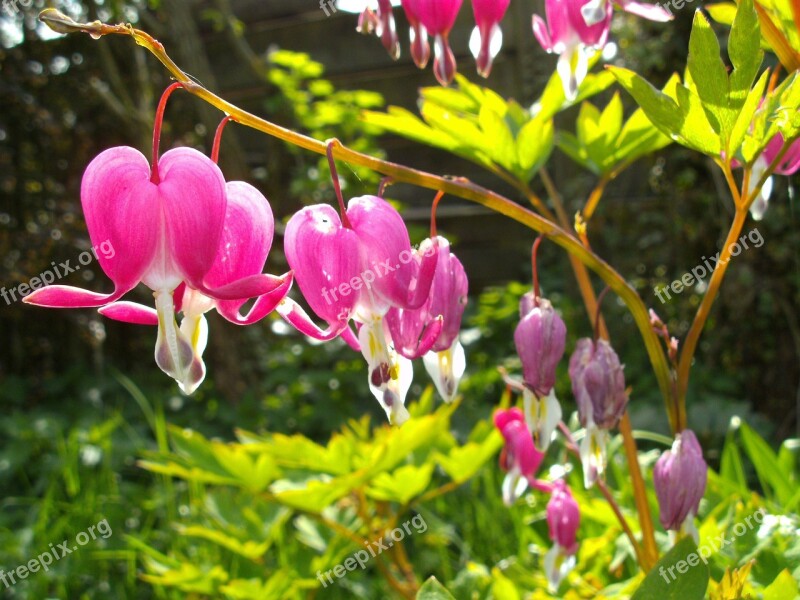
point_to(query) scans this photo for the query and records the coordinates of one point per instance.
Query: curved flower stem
(457, 187)
(637, 549)
(162, 106)
(218, 138)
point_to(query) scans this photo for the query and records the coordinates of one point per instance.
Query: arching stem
(218, 138)
(162, 106)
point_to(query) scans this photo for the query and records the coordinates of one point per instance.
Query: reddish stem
(535, 267)
(162, 105)
(218, 138)
(433, 212)
(335, 177)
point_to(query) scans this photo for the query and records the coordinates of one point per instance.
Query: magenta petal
(352, 340)
(294, 314)
(438, 16)
(192, 191)
(324, 256)
(653, 12)
(542, 34)
(246, 236)
(444, 61)
(264, 305)
(122, 210)
(246, 287)
(130, 312)
(66, 296)
(400, 278)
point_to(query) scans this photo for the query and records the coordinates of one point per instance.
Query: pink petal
(121, 208)
(324, 256)
(130, 312)
(66, 296)
(294, 314)
(438, 16)
(246, 235)
(264, 305)
(400, 279)
(192, 193)
(489, 12)
(542, 34)
(653, 12)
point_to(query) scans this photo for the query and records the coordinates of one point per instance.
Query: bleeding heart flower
(563, 520)
(359, 270)
(381, 22)
(437, 17)
(431, 331)
(598, 384)
(488, 14)
(519, 458)
(540, 338)
(165, 226)
(680, 481)
(420, 49)
(243, 249)
(572, 38)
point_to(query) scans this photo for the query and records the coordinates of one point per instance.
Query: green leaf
(534, 145)
(782, 588)
(464, 461)
(768, 469)
(688, 583)
(731, 467)
(709, 74)
(403, 485)
(433, 590)
(249, 549)
(722, 12)
(498, 140)
(748, 110)
(745, 53)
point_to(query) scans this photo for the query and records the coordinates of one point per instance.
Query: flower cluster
(201, 243)
(574, 30)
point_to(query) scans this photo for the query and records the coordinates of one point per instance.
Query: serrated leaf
(745, 54)
(688, 583)
(404, 484)
(463, 462)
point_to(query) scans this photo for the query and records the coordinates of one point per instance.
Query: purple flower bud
(563, 517)
(540, 339)
(598, 383)
(680, 480)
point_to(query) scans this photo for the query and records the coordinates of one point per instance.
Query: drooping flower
(381, 22)
(437, 17)
(488, 14)
(598, 384)
(242, 252)
(680, 482)
(420, 49)
(563, 520)
(165, 227)
(359, 270)
(567, 34)
(432, 330)
(788, 165)
(519, 458)
(540, 339)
